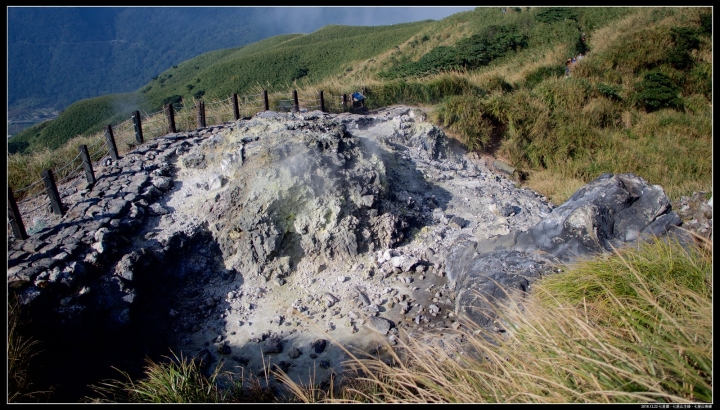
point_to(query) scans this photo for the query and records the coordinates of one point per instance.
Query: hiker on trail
(567, 67)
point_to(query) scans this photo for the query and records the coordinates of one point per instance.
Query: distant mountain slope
(59, 55)
(276, 61)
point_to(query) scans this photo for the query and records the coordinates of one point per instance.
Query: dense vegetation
(633, 327)
(494, 80)
(472, 52)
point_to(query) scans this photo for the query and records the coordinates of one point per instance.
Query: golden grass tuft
(555, 187)
(631, 327)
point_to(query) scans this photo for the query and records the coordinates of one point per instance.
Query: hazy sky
(365, 16)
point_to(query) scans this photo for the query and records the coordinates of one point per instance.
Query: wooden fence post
(87, 165)
(265, 100)
(15, 219)
(138, 127)
(344, 102)
(201, 114)
(296, 106)
(52, 192)
(322, 102)
(170, 113)
(236, 109)
(111, 142)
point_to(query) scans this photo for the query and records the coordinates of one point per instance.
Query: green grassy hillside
(496, 81)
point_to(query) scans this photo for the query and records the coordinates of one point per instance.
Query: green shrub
(431, 91)
(552, 14)
(699, 80)
(299, 73)
(465, 115)
(494, 42)
(602, 113)
(686, 40)
(657, 91)
(706, 23)
(472, 52)
(497, 83)
(581, 47)
(175, 100)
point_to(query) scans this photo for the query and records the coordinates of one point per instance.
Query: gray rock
(294, 353)
(607, 212)
(195, 160)
(216, 182)
(503, 167)
(272, 345)
(156, 209)
(162, 183)
(380, 324)
(457, 222)
(318, 345)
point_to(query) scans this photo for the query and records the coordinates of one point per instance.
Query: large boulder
(607, 213)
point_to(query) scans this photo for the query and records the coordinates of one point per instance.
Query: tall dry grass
(632, 327)
(21, 349)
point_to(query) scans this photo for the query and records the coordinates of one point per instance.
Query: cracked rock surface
(291, 238)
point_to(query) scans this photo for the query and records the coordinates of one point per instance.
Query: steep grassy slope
(496, 81)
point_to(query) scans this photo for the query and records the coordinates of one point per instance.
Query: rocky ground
(332, 238)
(292, 240)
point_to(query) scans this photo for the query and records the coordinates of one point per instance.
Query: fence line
(71, 174)
(99, 140)
(186, 121)
(156, 123)
(26, 200)
(39, 206)
(29, 186)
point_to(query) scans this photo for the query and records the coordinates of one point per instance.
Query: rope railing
(98, 141)
(103, 151)
(71, 175)
(219, 103)
(126, 135)
(254, 108)
(29, 186)
(42, 204)
(251, 98)
(152, 114)
(29, 199)
(71, 189)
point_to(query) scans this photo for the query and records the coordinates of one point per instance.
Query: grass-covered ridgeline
(494, 80)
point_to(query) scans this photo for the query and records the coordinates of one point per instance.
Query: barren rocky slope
(289, 238)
